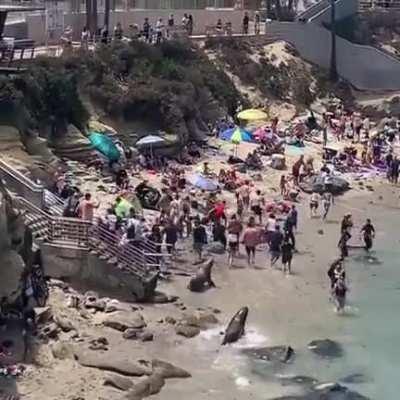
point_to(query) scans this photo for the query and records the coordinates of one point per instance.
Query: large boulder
(316, 184)
(122, 320)
(326, 348)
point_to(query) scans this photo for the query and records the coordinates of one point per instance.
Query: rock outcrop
(73, 145)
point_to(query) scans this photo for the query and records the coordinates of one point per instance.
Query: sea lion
(202, 277)
(235, 329)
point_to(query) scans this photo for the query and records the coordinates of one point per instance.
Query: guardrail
(379, 5)
(140, 257)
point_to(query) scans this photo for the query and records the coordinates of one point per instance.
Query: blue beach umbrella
(105, 145)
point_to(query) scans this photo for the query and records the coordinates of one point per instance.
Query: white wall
(36, 23)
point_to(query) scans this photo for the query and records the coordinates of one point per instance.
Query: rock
(355, 378)
(43, 315)
(122, 321)
(274, 354)
(134, 334)
(326, 348)
(334, 391)
(118, 382)
(301, 380)
(161, 298)
(112, 362)
(49, 331)
(190, 320)
(131, 334)
(320, 231)
(100, 343)
(91, 300)
(187, 331)
(206, 319)
(316, 184)
(170, 320)
(216, 248)
(114, 305)
(73, 302)
(64, 323)
(62, 350)
(216, 311)
(168, 370)
(147, 387)
(146, 336)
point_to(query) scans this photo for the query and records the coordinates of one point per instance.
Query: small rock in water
(320, 231)
(187, 331)
(355, 378)
(326, 348)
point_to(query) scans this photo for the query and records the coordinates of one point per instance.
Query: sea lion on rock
(235, 329)
(202, 277)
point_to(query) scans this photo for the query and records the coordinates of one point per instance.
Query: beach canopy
(105, 145)
(150, 141)
(203, 183)
(252, 115)
(236, 135)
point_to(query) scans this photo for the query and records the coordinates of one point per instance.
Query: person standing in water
(327, 201)
(368, 232)
(275, 244)
(339, 291)
(287, 255)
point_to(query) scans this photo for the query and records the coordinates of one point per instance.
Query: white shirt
(271, 223)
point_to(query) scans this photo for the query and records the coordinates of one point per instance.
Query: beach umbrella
(236, 135)
(105, 145)
(252, 115)
(150, 140)
(203, 183)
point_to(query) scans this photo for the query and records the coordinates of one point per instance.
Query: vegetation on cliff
(173, 84)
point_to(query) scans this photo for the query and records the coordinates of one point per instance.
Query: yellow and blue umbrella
(236, 135)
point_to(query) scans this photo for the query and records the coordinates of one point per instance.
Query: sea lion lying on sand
(202, 277)
(235, 329)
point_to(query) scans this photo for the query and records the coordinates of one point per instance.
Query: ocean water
(368, 331)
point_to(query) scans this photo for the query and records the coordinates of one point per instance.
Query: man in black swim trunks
(368, 232)
(275, 244)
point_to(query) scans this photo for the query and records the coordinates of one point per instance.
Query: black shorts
(286, 258)
(250, 250)
(313, 204)
(233, 245)
(256, 210)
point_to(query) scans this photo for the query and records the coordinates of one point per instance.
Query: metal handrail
(80, 233)
(34, 187)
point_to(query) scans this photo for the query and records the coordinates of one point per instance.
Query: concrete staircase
(90, 247)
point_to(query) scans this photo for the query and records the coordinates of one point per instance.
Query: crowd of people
(247, 222)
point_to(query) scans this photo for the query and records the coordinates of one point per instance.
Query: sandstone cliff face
(12, 232)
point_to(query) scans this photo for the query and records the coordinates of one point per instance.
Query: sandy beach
(284, 310)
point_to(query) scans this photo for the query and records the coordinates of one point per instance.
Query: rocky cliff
(14, 247)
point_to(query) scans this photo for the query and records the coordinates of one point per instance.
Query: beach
(283, 310)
